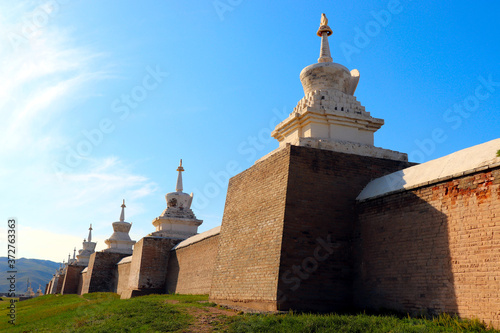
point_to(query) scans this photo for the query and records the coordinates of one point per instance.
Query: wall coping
(463, 162)
(197, 238)
(125, 260)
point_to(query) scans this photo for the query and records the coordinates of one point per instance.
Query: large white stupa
(329, 116)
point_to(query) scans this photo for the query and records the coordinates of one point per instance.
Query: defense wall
(433, 249)
(316, 260)
(59, 284)
(102, 273)
(123, 276)
(53, 284)
(190, 267)
(82, 281)
(247, 264)
(148, 268)
(286, 230)
(71, 279)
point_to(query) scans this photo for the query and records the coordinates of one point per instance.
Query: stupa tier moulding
(329, 116)
(178, 220)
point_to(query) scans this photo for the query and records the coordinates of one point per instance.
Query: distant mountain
(38, 271)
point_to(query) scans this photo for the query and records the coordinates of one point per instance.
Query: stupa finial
(324, 31)
(178, 187)
(122, 215)
(89, 239)
(324, 20)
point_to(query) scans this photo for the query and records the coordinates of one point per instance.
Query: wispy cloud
(42, 80)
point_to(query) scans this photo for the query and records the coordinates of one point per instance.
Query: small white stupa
(120, 241)
(83, 256)
(178, 220)
(73, 260)
(329, 116)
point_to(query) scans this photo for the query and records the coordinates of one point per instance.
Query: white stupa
(88, 248)
(329, 116)
(178, 220)
(120, 241)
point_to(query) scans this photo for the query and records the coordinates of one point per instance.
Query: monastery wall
(286, 229)
(433, 248)
(247, 264)
(59, 284)
(101, 273)
(81, 282)
(71, 279)
(316, 260)
(148, 267)
(190, 267)
(123, 275)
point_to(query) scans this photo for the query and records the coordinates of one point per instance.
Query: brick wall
(433, 249)
(190, 268)
(81, 282)
(48, 289)
(58, 286)
(316, 260)
(102, 273)
(247, 264)
(148, 268)
(71, 279)
(278, 214)
(123, 277)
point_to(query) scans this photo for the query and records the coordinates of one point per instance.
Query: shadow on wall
(172, 273)
(402, 253)
(316, 263)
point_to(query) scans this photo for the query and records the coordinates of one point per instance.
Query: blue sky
(100, 99)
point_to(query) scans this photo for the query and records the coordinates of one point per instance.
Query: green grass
(353, 323)
(105, 312)
(99, 312)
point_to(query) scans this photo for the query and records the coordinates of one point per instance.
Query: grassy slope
(105, 312)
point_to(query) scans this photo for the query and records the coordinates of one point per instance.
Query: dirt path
(208, 318)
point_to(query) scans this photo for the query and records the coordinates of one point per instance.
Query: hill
(38, 271)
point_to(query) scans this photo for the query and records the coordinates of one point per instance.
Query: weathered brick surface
(274, 215)
(71, 279)
(148, 268)
(433, 249)
(59, 284)
(102, 273)
(81, 282)
(123, 278)
(247, 264)
(316, 260)
(190, 268)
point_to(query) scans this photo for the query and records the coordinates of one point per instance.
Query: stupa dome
(327, 75)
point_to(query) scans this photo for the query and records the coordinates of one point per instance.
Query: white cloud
(40, 80)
